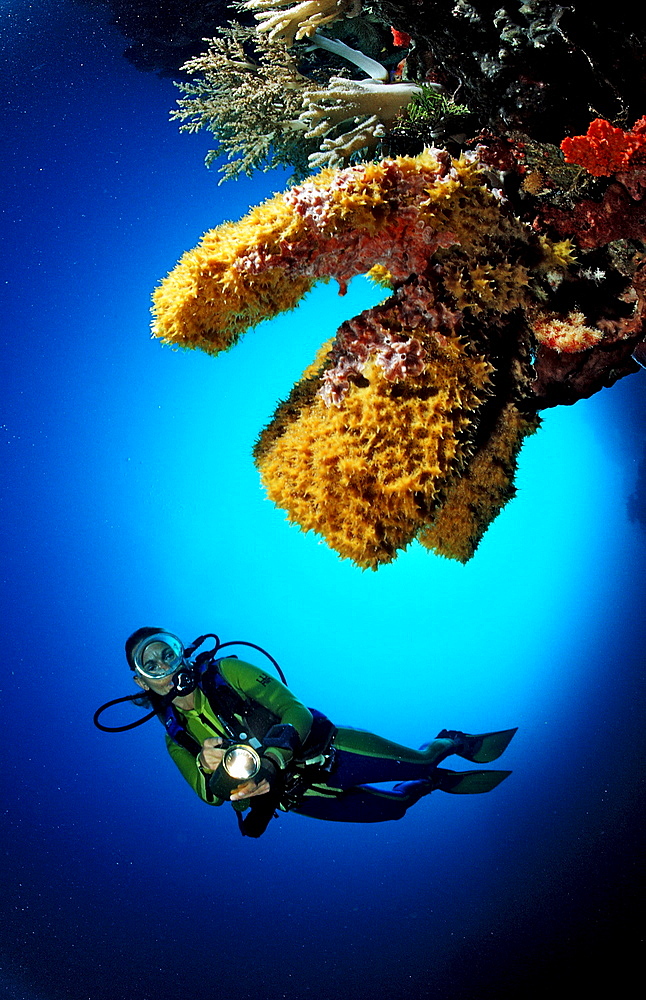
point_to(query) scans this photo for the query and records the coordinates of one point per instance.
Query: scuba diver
(238, 734)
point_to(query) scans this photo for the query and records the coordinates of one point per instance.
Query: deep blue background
(131, 499)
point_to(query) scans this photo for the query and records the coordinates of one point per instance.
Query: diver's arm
(252, 682)
(188, 768)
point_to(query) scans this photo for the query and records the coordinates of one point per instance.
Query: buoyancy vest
(243, 719)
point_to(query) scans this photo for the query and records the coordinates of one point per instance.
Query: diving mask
(158, 656)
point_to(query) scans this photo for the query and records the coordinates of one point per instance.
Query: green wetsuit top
(201, 722)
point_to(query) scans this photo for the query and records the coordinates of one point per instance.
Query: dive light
(240, 763)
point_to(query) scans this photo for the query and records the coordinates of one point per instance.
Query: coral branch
(299, 21)
(370, 66)
(475, 498)
(357, 99)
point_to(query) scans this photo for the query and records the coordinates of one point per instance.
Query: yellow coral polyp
(474, 499)
(365, 475)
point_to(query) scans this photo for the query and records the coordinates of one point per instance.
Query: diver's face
(158, 658)
(162, 686)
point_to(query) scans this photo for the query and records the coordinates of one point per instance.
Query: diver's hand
(249, 789)
(211, 754)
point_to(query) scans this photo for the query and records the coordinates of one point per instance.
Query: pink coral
(569, 334)
(383, 335)
(402, 245)
(595, 223)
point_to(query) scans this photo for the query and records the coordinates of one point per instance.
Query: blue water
(131, 499)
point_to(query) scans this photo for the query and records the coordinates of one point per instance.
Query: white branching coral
(337, 152)
(370, 105)
(248, 91)
(300, 20)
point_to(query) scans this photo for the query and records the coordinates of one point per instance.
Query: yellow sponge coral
(395, 214)
(408, 423)
(475, 498)
(365, 474)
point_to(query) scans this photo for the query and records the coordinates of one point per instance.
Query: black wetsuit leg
(347, 798)
(363, 804)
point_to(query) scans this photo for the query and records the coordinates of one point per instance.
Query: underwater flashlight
(240, 763)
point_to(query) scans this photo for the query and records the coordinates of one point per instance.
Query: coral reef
(432, 387)
(527, 267)
(253, 92)
(605, 217)
(300, 20)
(538, 66)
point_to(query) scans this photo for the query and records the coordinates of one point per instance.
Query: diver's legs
(357, 805)
(363, 757)
(456, 782)
(481, 748)
(366, 804)
(351, 768)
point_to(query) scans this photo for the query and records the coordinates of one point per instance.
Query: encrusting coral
(606, 150)
(423, 393)
(592, 333)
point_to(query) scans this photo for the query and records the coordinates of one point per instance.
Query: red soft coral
(400, 38)
(604, 149)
